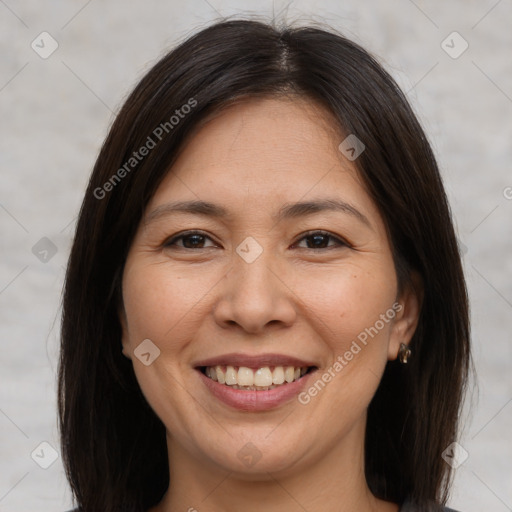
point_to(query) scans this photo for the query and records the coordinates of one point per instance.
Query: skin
(203, 300)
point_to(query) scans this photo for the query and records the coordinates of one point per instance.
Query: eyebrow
(287, 211)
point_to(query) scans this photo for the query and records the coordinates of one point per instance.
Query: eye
(191, 240)
(196, 240)
(318, 240)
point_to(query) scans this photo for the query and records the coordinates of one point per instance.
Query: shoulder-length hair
(113, 444)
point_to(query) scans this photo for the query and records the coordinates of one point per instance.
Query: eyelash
(340, 242)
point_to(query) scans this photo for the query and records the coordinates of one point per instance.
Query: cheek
(349, 301)
(354, 312)
(157, 304)
(158, 301)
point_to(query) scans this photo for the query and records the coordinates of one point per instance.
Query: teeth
(260, 379)
(289, 373)
(278, 375)
(221, 376)
(231, 376)
(263, 377)
(245, 376)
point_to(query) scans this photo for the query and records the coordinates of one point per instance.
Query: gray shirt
(408, 507)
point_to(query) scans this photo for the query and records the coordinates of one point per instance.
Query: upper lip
(254, 361)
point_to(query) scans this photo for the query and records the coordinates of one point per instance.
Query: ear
(407, 316)
(124, 328)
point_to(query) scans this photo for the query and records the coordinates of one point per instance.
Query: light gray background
(55, 113)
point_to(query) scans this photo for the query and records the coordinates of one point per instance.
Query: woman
(264, 305)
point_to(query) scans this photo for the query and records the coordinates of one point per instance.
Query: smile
(255, 379)
(255, 397)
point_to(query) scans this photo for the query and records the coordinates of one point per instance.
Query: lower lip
(253, 401)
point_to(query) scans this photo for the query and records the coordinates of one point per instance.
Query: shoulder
(409, 507)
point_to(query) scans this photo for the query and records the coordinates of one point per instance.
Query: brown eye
(191, 240)
(320, 240)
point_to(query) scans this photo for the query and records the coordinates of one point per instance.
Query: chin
(253, 457)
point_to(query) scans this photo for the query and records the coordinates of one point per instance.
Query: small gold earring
(403, 353)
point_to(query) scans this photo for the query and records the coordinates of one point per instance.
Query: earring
(403, 353)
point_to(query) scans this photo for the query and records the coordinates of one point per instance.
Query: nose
(256, 296)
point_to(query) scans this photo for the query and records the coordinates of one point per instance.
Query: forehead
(273, 128)
(264, 151)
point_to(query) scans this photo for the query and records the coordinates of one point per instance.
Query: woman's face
(264, 291)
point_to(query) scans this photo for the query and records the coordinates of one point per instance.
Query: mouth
(254, 383)
(255, 379)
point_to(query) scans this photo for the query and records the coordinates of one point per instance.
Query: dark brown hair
(113, 444)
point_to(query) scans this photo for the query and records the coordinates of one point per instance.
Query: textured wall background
(55, 111)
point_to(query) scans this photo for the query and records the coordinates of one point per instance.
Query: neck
(334, 481)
